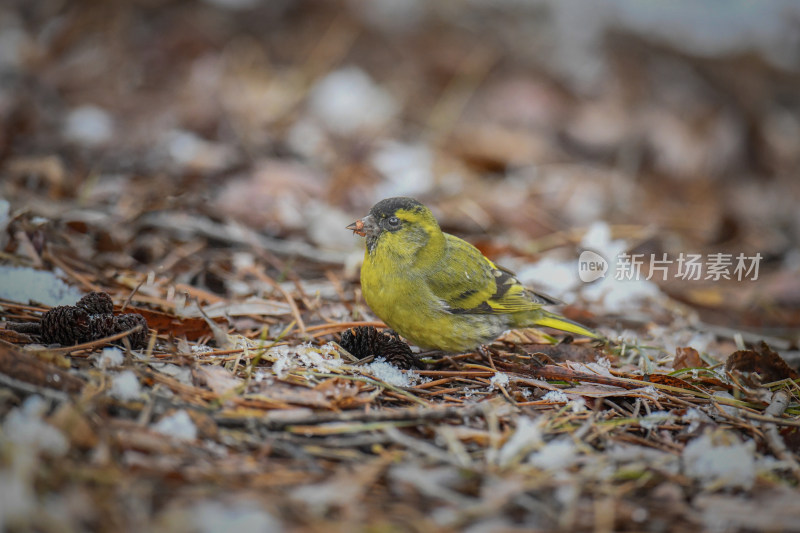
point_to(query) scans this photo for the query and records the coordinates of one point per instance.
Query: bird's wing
(473, 284)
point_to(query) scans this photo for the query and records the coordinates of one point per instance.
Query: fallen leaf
(767, 363)
(687, 358)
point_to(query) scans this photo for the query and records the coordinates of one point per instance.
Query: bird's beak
(363, 226)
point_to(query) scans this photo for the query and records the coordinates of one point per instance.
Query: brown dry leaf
(687, 358)
(595, 390)
(672, 381)
(191, 328)
(768, 364)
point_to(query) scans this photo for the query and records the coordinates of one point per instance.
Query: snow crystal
(323, 358)
(720, 464)
(603, 362)
(555, 396)
(110, 357)
(24, 285)
(655, 419)
(88, 125)
(181, 373)
(390, 374)
(24, 426)
(555, 455)
(498, 380)
(125, 386)
(347, 101)
(578, 405)
(178, 425)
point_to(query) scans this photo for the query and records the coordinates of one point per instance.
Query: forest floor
(198, 163)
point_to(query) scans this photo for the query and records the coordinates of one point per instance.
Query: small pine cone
(101, 326)
(66, 325)
(96, 303)
(359, 341)
(129, 321)
(364, 341)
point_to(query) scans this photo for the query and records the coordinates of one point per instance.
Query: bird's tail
(552, 320)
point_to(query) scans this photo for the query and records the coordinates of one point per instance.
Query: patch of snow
(555, 396)
(556, 277)
(178, 425)
(181, 373)
(526, 437)
(89, 125)
(720, 460)
(24, 426)
(125, 386)
(25, 285)
(655, 419)
(110, 357)
(617, 296)
(578, 405)
(598, 239)
(348, 101)
(695, 417)
(498, 380)
(390, 374)
(555, 455)
(322, 358)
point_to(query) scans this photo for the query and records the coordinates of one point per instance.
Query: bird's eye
(393, 221)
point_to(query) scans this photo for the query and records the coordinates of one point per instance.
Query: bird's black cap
(389, 206)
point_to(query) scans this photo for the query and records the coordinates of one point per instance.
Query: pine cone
(66, 325)
(96, 303)
(90, 319)
(364, 341)
(129, 321)
(101, 326)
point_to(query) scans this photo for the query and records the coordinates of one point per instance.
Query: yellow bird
(439, 291)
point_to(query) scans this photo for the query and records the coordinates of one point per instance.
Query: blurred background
(167, 134)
